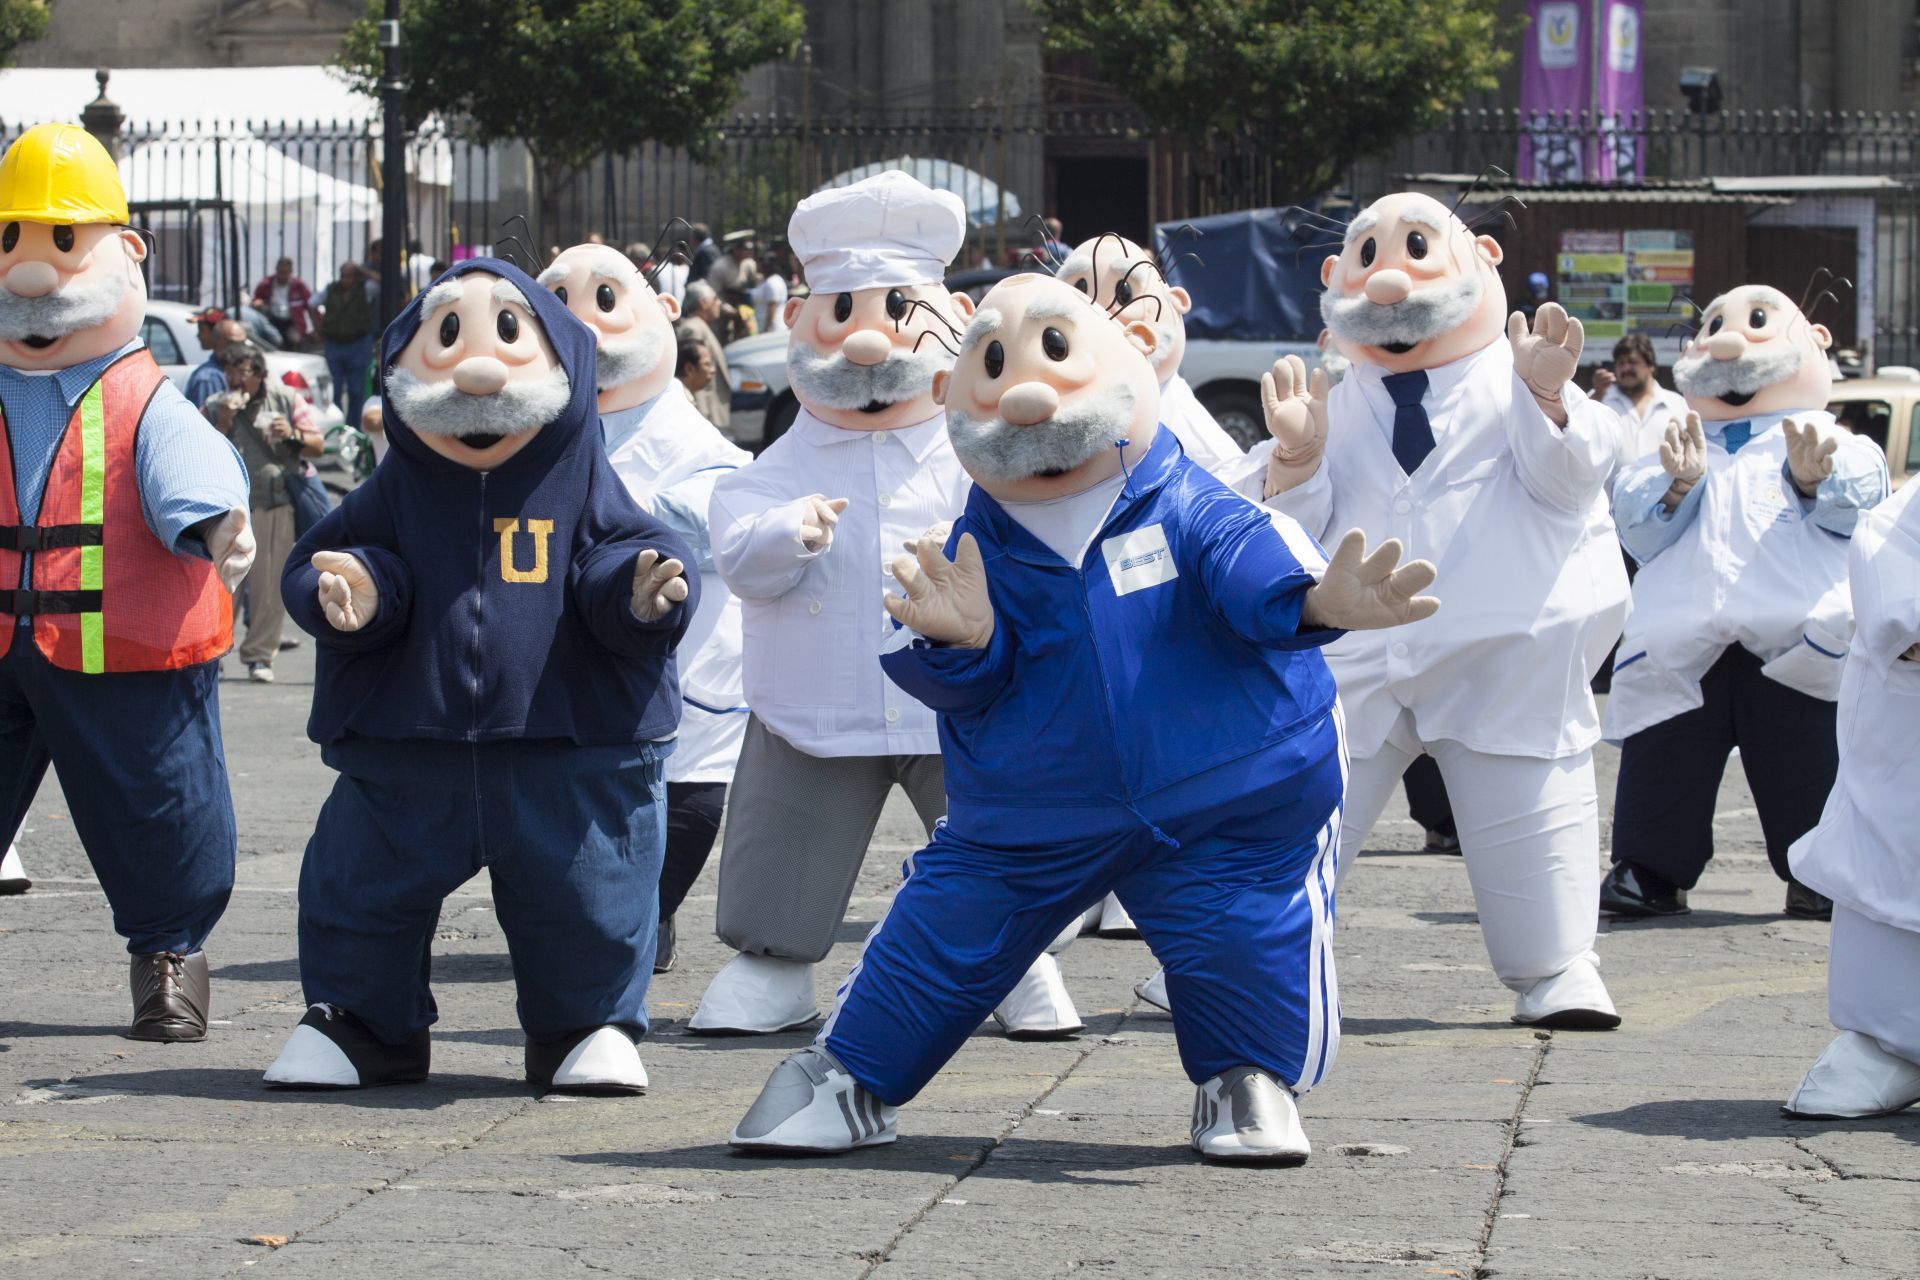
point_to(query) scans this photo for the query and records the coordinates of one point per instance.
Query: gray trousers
(798, 827)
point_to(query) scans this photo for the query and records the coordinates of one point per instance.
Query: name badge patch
(1139, 559)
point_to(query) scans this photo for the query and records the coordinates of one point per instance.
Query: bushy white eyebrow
(507, 291)
(555, 274)
(1056, 308)
(1427, 218)
(1075, 265)
(444, 294)
(1362, 223)
(985, 321)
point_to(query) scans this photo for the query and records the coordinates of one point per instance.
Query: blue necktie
(1412, 432)
(1736, 434)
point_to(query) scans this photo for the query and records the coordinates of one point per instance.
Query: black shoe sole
(1066, 1034)
(301, 1086)
(1639, 911)
(1255, 1162)
(8, 888)
(1574, 1020)
(133, 1033)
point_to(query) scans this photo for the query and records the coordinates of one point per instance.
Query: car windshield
(1869, 418)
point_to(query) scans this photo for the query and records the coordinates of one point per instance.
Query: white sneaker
(1114, 920)
(259, 673)
(810, 1103)
(756, 996)
(603, 1060)
(1245, 1115)
(1038, 1007)
(1572, 1000)
(13, 875)
(1855, 1077)
(1154, 991)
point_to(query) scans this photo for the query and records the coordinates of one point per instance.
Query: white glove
(1683, 455)
(230, 547)
(1361, 592)
(658, 585)
(1546, 357)
(818, 515)
(946, 599)
(347, 593)
(1809, 459)
(1296, 412)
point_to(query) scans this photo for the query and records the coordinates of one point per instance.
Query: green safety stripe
(93, 510)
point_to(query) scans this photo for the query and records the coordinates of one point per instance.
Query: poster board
(1621, 282)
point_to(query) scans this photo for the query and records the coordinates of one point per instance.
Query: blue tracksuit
(503, 709)
(1155, 723)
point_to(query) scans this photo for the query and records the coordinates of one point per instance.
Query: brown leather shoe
(169, 997)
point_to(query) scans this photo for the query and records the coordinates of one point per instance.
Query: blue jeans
(145, 777)
(570, 836)
(347, 364)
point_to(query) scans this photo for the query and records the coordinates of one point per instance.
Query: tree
(1316, 84)
(21, 22)
(573, 79)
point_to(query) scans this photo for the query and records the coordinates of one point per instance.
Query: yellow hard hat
(59, 173)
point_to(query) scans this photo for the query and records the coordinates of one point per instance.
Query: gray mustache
(835, 382)
(442, 409)
(67, 310)
(995, 449)
(1702, 376)
(1425, 313)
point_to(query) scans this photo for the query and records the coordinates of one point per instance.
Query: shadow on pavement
(1710, 1118)
(1698, 920)
(39, 1030)
(466, 967)
(1037, 1160)
(1394, 1026)
(229, 1084)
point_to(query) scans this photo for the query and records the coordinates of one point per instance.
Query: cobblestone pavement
(1448, 1142)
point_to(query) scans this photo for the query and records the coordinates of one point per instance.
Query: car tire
(780, 416)
(1236, 407)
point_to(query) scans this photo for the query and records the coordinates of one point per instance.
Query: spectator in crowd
(216, 333)
(350, 312)
(730, 271)
(769, 295)
(420, 268)
(370, 265)
(694, 367)
(1054, 249)
(373, 421)
(1538, 287)
(273, 429)
(671, 278)
(705, 251)
(287, 302)
(1631, 390)
(697, 316)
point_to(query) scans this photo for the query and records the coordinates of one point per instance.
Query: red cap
(211, 315)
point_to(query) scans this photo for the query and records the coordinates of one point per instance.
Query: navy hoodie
(466, 646)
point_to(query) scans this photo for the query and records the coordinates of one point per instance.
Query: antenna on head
(936, 336)
(510, 255)
(1047, 257)
(1817, 291)
(1473, 186)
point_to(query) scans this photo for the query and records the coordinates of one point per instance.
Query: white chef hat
(887, 231)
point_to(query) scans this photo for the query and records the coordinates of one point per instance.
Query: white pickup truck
(1225, 376)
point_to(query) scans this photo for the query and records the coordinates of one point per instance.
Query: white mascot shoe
(1855, 1077)
(1038, 1007)
(811, 1104)
(600, 1060)
(13, 876)
(1154, 991)
(1572, 1000)
(1243, 1115)
(332, 1049)
(1114, 922)
(755, 996)
(1075, 927)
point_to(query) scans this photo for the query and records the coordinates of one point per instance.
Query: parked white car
(175, 343)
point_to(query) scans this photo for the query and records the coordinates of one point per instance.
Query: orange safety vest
(105, 595)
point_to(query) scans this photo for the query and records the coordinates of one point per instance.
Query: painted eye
(63, 239)
(603, 297)
(1122, 295)
(10, 237)
(1054, 343)
(996, 359)
(1368, 251)
(561, 293)
(896, 304)
(1715, 327)
(1757, 318)
(1081, 285)
(507, 325)
(1416, 245)
(843, 308)
(449, 329)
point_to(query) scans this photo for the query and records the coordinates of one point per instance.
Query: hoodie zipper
(473, 679)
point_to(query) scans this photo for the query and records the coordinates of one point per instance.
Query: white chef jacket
(1203, 440)
(1863, 853)
(669, 457)
(1509, 508)
(1743, 560)
(1640, 436)
(815, 623)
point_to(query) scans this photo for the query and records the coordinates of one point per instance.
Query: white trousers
(1530, 833)
(1872, 972)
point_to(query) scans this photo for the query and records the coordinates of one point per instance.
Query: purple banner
(1622, 95)
(1556, 76)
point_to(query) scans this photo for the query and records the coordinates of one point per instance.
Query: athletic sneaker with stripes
(1244, 1115)
(810, 1103)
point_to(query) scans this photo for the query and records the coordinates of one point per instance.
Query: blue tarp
(1260, 281)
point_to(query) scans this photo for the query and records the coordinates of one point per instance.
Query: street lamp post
(393, 202)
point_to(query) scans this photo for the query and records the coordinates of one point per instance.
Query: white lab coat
(815, 623)
(1203, 440)
(669, 457)
(1751, 568)
(1640, 437)
(1865, 853)
(1509, 508)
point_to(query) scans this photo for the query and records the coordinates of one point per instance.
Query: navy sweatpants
(1234, 896)
(571, 837)
(145, 776)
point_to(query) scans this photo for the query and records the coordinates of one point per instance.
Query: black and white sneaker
(599, 1060)
(810, 1104)
(13, 876)
(332, 1049)
(1245, 1116)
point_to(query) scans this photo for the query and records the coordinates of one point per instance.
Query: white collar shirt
(815, 624)
(1641, 432)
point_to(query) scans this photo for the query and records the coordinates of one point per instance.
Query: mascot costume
(1122, 652)
(1741, 613)
(123, 531)
(496, 622)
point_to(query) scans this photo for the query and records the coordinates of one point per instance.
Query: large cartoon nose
(1387, 286)
(1028, 403)
(32, 279)
(480, 375)
(1726, 345)
(866, 346)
